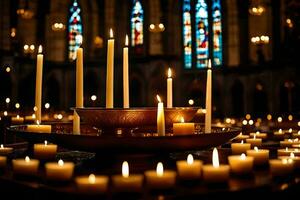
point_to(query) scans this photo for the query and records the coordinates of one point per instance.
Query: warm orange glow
(169, 73)
(160, 169)
(158, 98)
(182, 120)
(190, 159)
(111, 33)
(243, 156)
(126, 40)
(27, 159)
(215, 158)
(1, 146)
(60, 163)
(125, 169)
(92, 179)
(256, 149)
(46, 142)
(40, 49)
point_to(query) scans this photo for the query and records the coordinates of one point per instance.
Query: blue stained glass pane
(201, 24)
(74, 29)
(187, 34)
(137, 22)
(217, 32)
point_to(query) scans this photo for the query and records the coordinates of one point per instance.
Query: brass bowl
(134, 117)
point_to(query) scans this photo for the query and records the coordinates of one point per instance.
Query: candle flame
(280, 131)
(290, 130)
(181, 119)
(46, 142)
(215, 158)
(257, 132)
(292, 155)
(27, 159)
(2, 147)
(286, 148)
(256, 149)
(209, 64)
(242, 142)
(126, 40)
(169, 73)
(125, 169)
(18, 116)
(190, 159)
(158, 98)
(40, 49)
(284, 161)
(38, 122)
(92, 179)
(60, 163)
(111, 33)
(243, 156)
(160, 169)
(254, 137)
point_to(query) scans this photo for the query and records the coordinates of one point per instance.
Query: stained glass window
(137, 21)
(217, 32)
(74, 29)
(187, 34)
(201, 20)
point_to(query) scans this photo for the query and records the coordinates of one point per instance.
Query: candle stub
(189, 169)
(27, 166)
(59, 171)
(45, 151)
(92, 183)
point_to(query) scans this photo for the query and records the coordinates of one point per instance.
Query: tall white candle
(160, 117)
(79, 88)
(208, 99)
(125, 75)
(38, 85)
(169, 89)
(110, 72)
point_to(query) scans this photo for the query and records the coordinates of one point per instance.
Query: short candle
(39, 128)
(241, 137)
(287, 151)
(160, 179)
(239, 148)
(296, 160)
(281, 167)
(216, 173)
(241, 164)
(92, 183)
(45, 151)
(3, 161)
(289, 142)
(126, 182)
(258, 134)
(261, 156)
(59, 171)
(189, 169)
(183, 128)
(17, 120)
(279, 134)
(5, 150)
(25, 166)
(254, 141)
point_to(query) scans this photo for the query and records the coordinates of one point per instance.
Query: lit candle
(281, 167)
(92, 183)
(279, 134)
(287, 151)
(125, 75)
(25, 166)
(261, 156)
(296, 135)
(126, 182)
(296, 160)
(5, 150)
(110, 72)
(258, 134)
(216, 173)
(241, 164)
(183, 128)
(160, 179)
(59, 171)
(160, 117)
(169, 89)
(38, 84)
(239, 148)
(45, 151)
(3, 161)
(38, 128)
(189, 169)
(254, 141)
(208, 99)
(17, 120)
(241, 137)
(30, 118)
(289, 142)
(79, 87)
